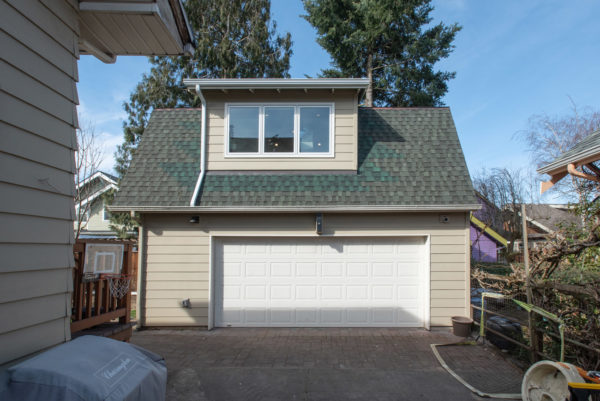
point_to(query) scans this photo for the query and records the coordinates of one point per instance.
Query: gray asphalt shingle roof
(588, 146)
(407, 157)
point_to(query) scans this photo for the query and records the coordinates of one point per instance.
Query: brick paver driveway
(303, 364)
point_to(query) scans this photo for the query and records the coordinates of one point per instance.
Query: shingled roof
(587, 147)
(407, 157)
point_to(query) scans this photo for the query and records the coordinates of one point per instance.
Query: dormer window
(279, 130)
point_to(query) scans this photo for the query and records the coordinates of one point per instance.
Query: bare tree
(506, 190)
(88, 158)
(547, 137)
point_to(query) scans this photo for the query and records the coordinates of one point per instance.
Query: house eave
(560, 166)
(166, 19)
(292, 209)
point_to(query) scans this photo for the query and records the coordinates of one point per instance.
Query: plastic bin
(461, 326)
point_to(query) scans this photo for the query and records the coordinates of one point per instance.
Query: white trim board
(261, 130)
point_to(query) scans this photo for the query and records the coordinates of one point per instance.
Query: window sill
(279, 156)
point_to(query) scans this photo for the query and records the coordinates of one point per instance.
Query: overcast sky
(513, 59)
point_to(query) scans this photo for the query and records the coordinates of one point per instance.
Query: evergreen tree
(234, 39)
(388, 41)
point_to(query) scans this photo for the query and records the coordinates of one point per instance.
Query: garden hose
(480, 393)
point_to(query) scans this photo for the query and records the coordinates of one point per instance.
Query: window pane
(314, 129)
(243, 129)
(279, 129)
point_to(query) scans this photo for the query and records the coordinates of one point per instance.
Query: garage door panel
(383, 315)
(309, 269)
(282, 317)
(383, 270)
(319, 282)
(282, 269)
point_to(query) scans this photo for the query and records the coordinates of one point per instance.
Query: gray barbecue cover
(89, 368)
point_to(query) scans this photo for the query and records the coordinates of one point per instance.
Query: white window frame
(261, 131)
(104, 211)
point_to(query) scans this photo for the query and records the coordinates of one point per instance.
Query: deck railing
(92, 302)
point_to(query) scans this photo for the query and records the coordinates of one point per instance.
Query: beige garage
(283, 203)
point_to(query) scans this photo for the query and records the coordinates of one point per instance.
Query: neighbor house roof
(409, 159)
(109, 180)
(550, 218)
(586, 150)
(488, 230)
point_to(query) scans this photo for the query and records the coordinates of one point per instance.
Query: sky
(513, 59)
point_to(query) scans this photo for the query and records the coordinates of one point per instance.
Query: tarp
(89, 368)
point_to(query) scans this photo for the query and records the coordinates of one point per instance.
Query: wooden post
(531, 318)
(127, 262)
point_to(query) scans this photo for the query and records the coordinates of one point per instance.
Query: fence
(528, 331)
(92, 301)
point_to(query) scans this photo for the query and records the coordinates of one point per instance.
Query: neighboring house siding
(176, 256)
(37, 120)
(345, 104)
(96, 222)
(483, 248)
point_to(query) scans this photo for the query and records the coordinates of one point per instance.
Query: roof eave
(277, 83)
(561, 165)
(292, 209)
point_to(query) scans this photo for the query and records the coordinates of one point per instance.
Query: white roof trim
(547, 169)
(97, 174)
(95, 195)
(119, 7)
(278, 83)
(338, 209)
(536, 223)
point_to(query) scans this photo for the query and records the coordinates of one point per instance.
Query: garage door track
(303, 364)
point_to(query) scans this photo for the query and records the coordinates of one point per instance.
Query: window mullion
(261, 130)
(296, 132)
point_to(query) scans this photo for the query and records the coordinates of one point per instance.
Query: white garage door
(315, 282)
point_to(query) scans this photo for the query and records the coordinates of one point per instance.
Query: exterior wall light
(319, 223)
(195, 219)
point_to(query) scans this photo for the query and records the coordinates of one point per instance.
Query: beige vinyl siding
(37, 121)
(177, 256)
(345, 130)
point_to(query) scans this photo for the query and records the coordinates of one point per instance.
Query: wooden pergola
(578, 161)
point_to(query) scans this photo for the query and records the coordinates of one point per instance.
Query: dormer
(280, 124)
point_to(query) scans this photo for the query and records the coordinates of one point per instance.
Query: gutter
(278, 83)
(292, 209)
(202, 149)
(561, 165)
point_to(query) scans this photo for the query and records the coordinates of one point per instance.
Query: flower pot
(461, 326)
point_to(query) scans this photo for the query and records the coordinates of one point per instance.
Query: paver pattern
(304, 364)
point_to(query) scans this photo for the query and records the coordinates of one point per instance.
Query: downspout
(202, 148)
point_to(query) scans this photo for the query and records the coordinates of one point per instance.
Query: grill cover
(89, 368)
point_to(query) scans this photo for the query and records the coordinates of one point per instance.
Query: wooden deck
(94, 309)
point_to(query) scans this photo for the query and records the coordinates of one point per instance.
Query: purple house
(485, 241)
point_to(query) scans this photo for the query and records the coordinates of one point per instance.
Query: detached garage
(374, 233)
